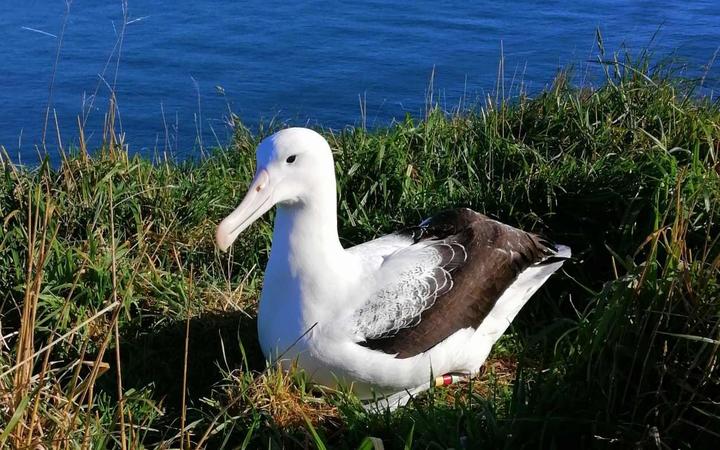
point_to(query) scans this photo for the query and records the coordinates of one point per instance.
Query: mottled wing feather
(429, 304)
(412, 279)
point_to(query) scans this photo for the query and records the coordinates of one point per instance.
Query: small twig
(68, 3)
(184, 392)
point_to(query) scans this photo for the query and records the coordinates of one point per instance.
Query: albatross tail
(527, 283)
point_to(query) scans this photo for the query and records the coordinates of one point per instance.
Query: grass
(122, 326)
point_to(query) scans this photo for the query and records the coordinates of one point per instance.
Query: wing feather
(449, 277)
(412, 279)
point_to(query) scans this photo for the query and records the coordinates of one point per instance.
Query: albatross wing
(447, 274)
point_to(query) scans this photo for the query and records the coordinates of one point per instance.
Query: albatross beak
(256, 203)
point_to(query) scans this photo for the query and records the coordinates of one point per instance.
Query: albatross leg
(451, 378)
(398, 399)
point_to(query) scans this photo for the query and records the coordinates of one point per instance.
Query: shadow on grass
(216, 343)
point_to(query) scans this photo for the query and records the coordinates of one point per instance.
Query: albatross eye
(291, 159)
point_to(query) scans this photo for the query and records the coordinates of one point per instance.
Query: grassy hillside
(107, 262)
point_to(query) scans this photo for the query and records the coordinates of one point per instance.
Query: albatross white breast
(386, 316)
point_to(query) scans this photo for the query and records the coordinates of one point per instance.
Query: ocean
(182, 69)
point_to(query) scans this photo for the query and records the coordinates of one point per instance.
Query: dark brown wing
(495, 255)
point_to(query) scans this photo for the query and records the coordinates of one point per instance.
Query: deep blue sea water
(184, 64)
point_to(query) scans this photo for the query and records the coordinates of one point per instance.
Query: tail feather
(562, 254)
(526, 284)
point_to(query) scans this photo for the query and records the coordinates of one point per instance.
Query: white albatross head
(294, 166)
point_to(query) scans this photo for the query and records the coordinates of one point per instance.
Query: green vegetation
(108, 261)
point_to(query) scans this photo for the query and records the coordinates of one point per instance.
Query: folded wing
(442, 276)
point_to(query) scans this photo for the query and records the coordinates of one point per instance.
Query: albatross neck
(306, 235)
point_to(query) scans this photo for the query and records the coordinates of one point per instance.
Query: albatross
(388, 316)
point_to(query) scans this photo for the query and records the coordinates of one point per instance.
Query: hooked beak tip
(221, 239)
